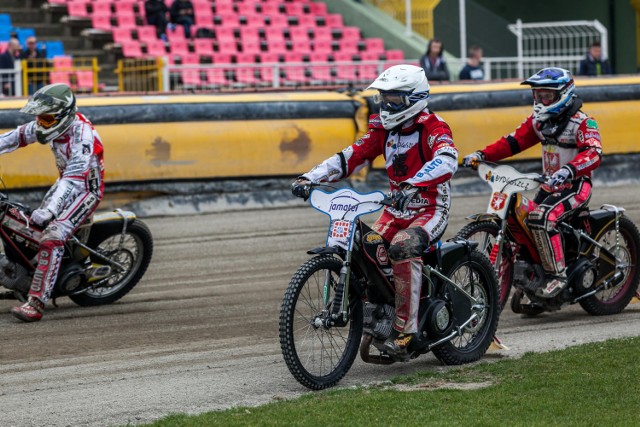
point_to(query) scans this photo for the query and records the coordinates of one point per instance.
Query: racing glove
(403, 197)
(559, 177)
(469, 160)
(300, 188)
(41, 216)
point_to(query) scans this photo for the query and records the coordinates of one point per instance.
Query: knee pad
(408, 243)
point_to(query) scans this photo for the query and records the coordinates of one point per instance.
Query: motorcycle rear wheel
(317, 355)
(485, 233)
(614, 300)
(135, 255)
(476, 275)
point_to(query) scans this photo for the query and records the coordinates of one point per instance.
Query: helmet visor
(392, 101)
(46, 120)
(546, 97)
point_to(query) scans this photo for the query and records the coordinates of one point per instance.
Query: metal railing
(80, 74)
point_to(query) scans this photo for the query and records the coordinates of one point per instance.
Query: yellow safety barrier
(81, 74)
(421, 13)
(140, 74)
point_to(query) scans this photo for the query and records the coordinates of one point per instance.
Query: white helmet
(404, 92)
(55, 109)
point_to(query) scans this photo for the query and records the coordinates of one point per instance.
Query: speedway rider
(77, 149)
(420, 160)
(571, 150)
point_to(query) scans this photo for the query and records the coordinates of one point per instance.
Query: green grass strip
(590, 385)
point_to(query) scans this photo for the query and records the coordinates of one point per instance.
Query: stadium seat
(249, 33)
(322, 45)
(349, 45)
(270, 8)
(350, 33)
(78, 9)
(59, 77)
(280, 21)
(191, 77)
(127, 21)
(334, 20)
(367, 72)
(5, 20)
(146, 33)
(216, 77)
(221, 58)
(3, 46)
(189, 59)
(179, 47)
(306, 21)
(299, 33)
(374, 44)
(394, 55)
(123, 34)
(156, 48)
(176, 34)
(322, 33)
(247, 8)
(277, 46)
(255, 20)
(269, 57)
(274, 34)
(227, 20)
(101, 7)
(84, 80)
(131, 49)
(317, 8)
(100, 22)
(55, 48)
(224, 8)
(62, 62)
(251, 46)
(301, 46)
(203, 47)
(125, 7)
(294, 9)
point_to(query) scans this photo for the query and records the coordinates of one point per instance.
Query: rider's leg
(50, 254)
(543, 223)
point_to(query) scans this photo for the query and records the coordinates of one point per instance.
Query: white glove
(41, 216)
(559, 177)
(469, 160)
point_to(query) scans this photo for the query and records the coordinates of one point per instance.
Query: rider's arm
(522, 138)
(74, 181)
(589, 148)
(444, 159)
(21, 136)
(352, 158)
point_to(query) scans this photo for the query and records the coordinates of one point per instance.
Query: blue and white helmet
(404, 92)
(558, 80)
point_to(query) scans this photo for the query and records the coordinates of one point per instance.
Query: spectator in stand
(182, 14)
(37, 59)
(156, 13)
(433, 63)
(472, 70)
(594, 64)
(7, 61)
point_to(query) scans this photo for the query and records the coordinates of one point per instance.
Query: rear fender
(449, 253)
(480, 217)
(111, 222)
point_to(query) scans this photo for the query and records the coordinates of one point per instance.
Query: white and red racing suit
(72, 199)
(577, 147)
(421, 154)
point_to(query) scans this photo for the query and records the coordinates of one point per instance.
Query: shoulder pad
(375, 122)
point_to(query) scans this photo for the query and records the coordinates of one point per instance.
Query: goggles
(46, 120)
(546, 96)
(392, 101)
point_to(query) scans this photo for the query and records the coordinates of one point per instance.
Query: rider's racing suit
(421, 154)
(73, 197)
(575, 145)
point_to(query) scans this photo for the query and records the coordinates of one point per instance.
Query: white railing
(11, 81)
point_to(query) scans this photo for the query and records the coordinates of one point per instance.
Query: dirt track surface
(200, 332)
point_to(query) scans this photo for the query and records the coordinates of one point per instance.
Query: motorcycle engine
(582, 275)
(14, 276)
(70, 279)
(378, 320)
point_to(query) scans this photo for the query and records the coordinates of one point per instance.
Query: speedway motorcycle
(342, 299)
(600, 246)
(102, 261)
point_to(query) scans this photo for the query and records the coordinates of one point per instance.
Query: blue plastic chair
(5, 21)
(54, 48)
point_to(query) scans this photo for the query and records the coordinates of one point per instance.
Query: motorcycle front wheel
(318, 353)
(475, 274)
(134, 255)
(485, 233)
(626, 248)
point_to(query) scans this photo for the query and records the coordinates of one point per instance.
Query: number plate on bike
(340, 233)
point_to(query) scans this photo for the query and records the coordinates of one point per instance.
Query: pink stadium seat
(349, 45)
(101, 7)
(277, 21)
(147, 33)
(3, 46)
(374, 44)
(293, 57)
(122, 34)
(343, 56)
(270, 8)
(253, 20)
(179, 47)
(301, 46)
(247, 8)
(269, 57)
(317, 8)
(221, 58)
(395, 54)
(350, 33)
(227, 46)
(191, 77)
(125, 7)
(216, 77)
(322, 45)
(247, 75)
(131, 49)
(203, 46)
(225, 33)
(60, 77)
(249, 33)
(322, 33)
(345, 72)
(84, 80)
(266, 74)
(297, 74)
(224, 8)
(62, 62)
(307, 21)
(127, 21)
(333, 20)
(370, 55)
(100, 22)
(251, 46)
(189, 59)
(367, 72)
(176, 34)
(277, 46)
(228, 20)
(274, 33)
(245, 58)
(78, 9)
(156, 48)
(322, 73)
(294, 9)
(299, 33)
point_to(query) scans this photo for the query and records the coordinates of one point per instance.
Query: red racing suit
(73, 197)
(577, 147)
(423, 155)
